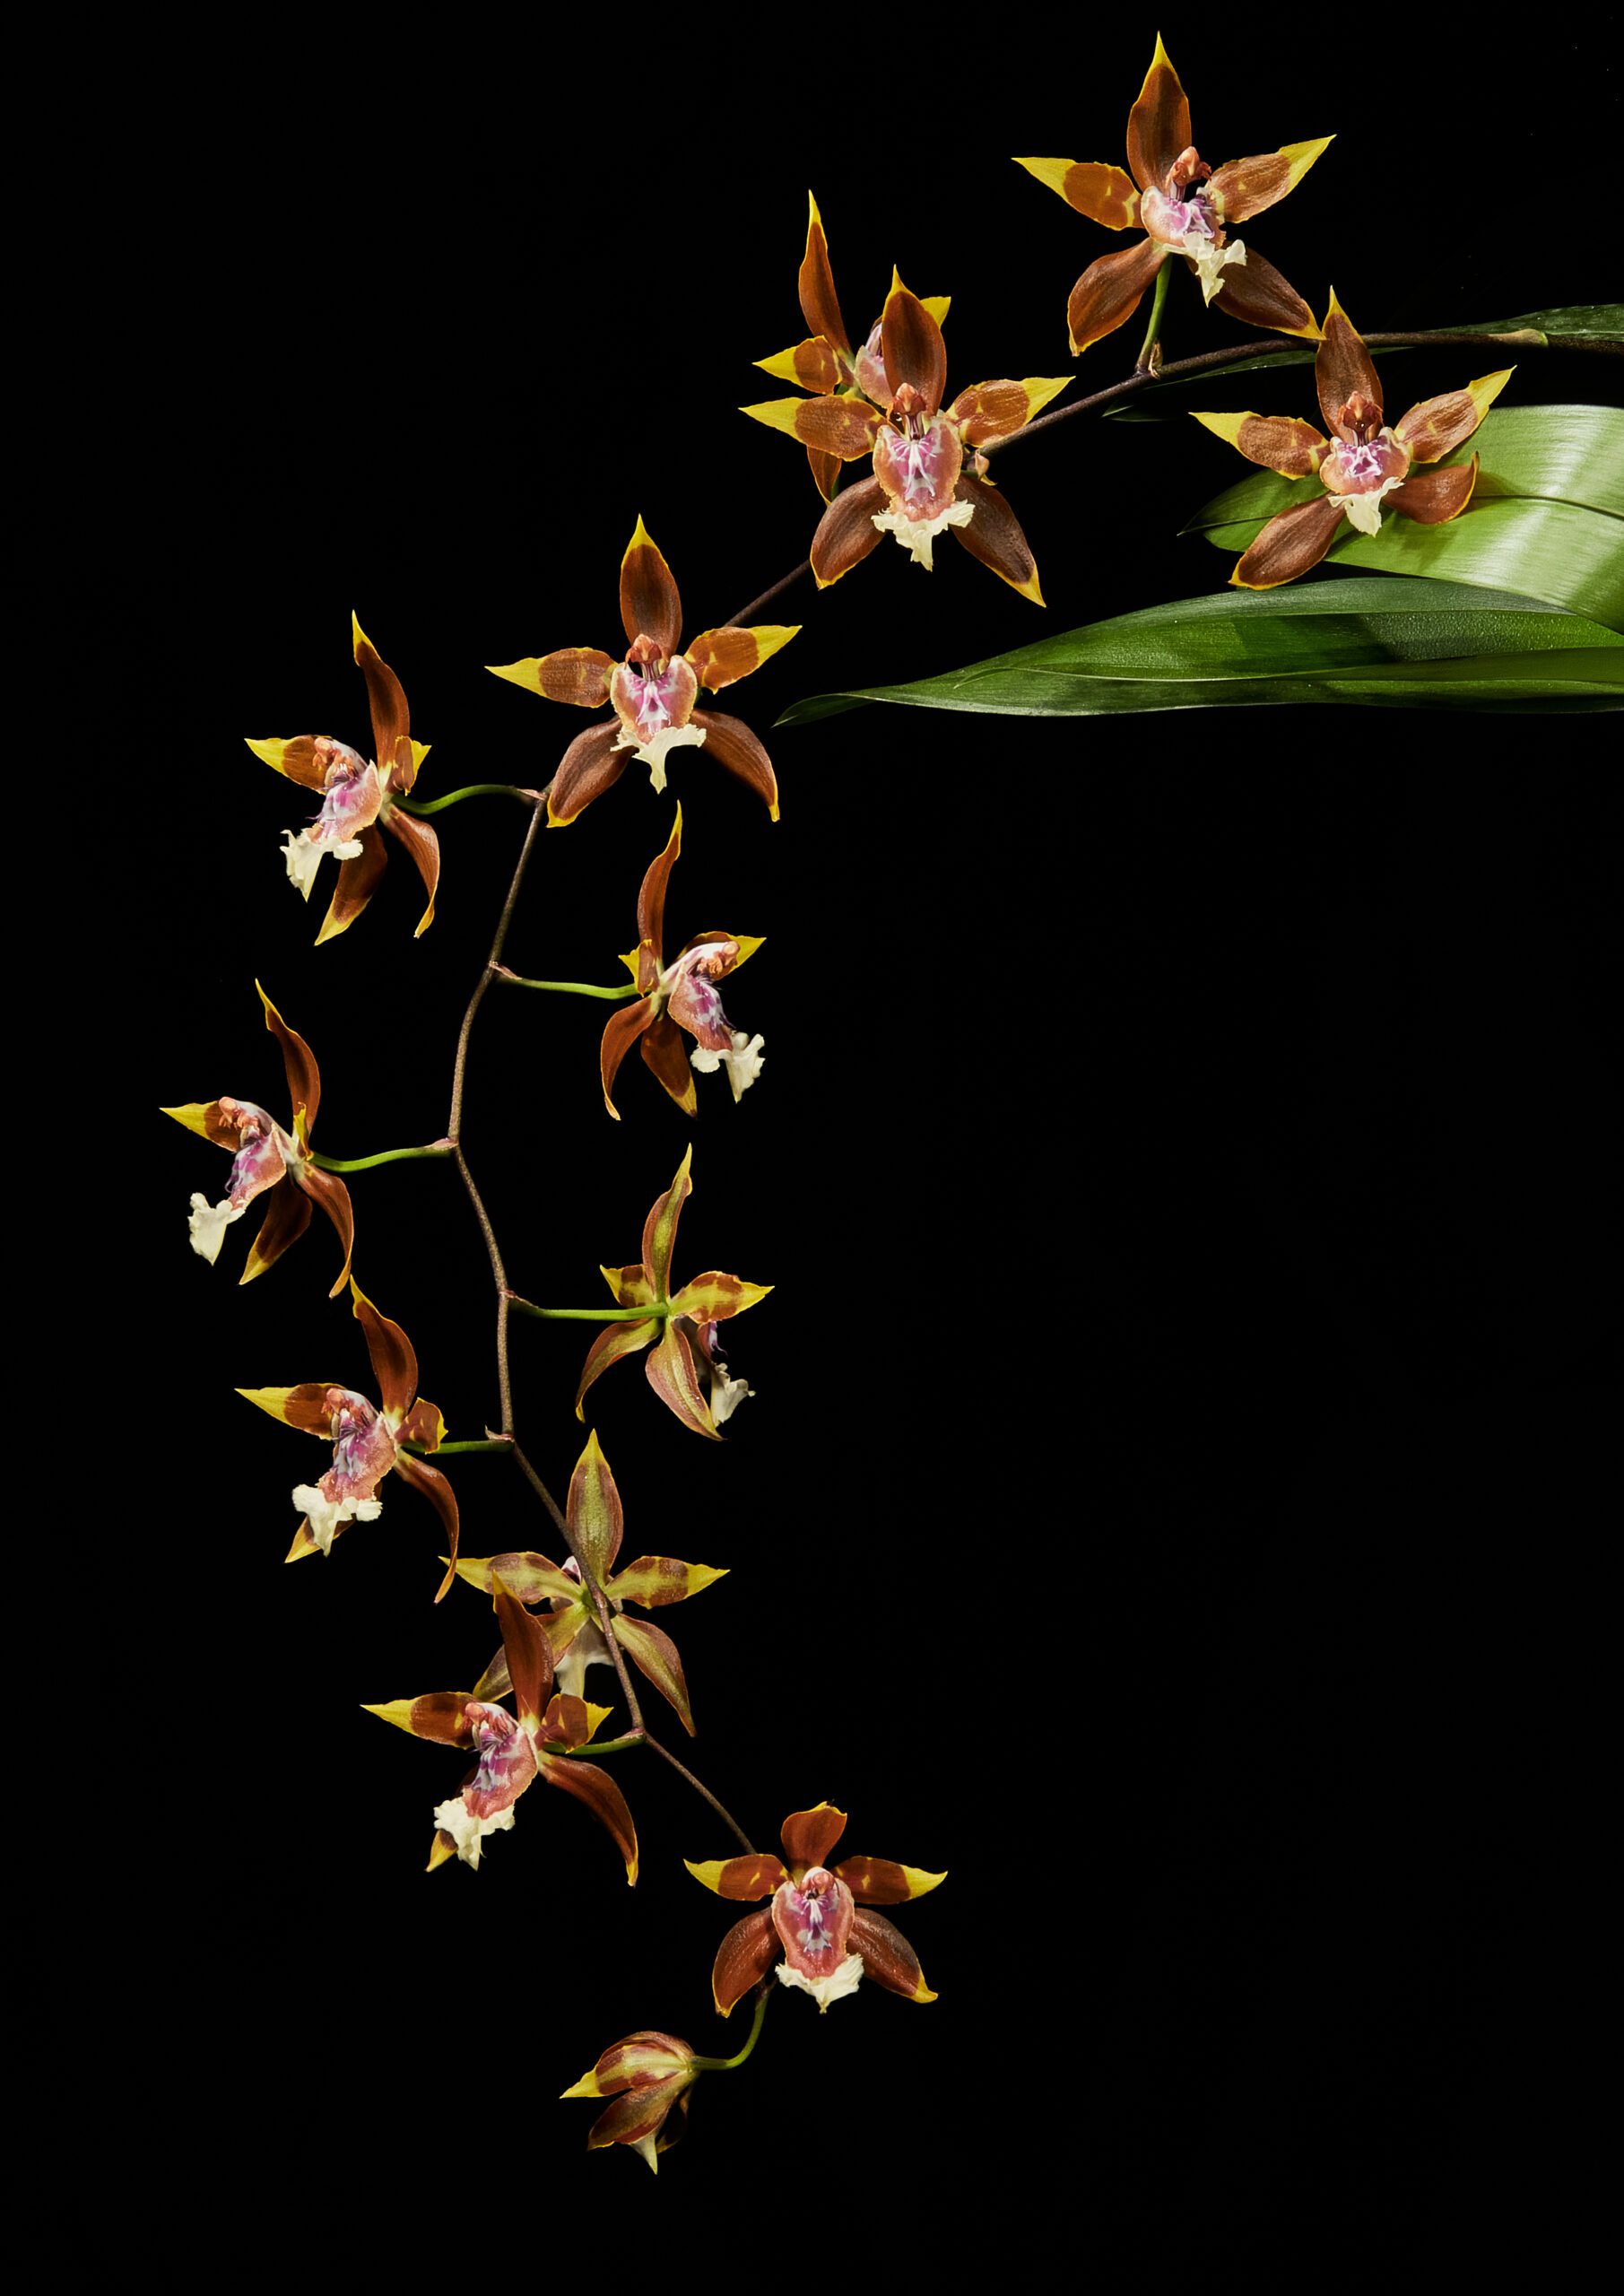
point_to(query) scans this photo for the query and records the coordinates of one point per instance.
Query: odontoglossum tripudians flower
(268, 1162)
(358, 798)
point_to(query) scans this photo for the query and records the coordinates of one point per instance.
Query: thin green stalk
(732, 2064)
(568, 987)
(490, 1443)
(1149, 350)
(590, 1315)
(474, 789)
(384, 1156)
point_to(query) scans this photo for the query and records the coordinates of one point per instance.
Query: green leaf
(1546, 519)
(1578, 323)
(1381, 640)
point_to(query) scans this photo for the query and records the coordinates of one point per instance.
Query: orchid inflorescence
(884, 404)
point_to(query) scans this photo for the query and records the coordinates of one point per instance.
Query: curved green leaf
(1381, 640)
(1546, 521)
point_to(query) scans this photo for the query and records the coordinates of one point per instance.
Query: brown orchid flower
(652, 691)
(358, 799)
(1364, 466)
(1184, 208)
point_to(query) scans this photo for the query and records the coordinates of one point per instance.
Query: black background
(1179, 1158)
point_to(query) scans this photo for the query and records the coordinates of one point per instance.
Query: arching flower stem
(568, 987)
(384, 1156)
(764, 1993)
(1149, 360)
(472, 790)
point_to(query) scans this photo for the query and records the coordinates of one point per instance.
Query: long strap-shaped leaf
(1369, 639)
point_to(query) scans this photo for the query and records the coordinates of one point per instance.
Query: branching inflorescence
(884, 403)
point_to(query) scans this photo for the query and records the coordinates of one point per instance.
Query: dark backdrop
(1179, 1159)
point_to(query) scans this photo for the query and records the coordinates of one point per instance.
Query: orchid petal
(846, 532)
(1105, 194)
(607, 1348)
(1258, 295)
(671, 1376)
(1278, 441)
(650, 605)
(1159, 125)
(1437, 425)
(1110, 291)
(1343, 369)
(887, 1956)
(1289, 544)
(743, 1958)
(359, 876)
(592, 763)
(737, 751)
(1432, 498)
(578, 674)
(1242, 189)
(994, 536)
(820, 304)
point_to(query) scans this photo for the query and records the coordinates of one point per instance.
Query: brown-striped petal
(298, 1066)
(1258, 295)
(1158, 125)
(203, 1119)
(746, 1954)
(994, 536)
(1434, 497)
(531, 1576)
(422, 844)
(1342, 367)
(607, 1348)
(438, 1716)
(660, 1228)
(993, 410)
(640, 2113)
(654, 1653)
(887, 1956)
(1289, 544)
(712, 1297)
(423, 1425)
(295, 758)
(358, 881)
(441, 1496)
(391, 722)
(1105, 194)
(589, 766)
(304, 1406)
(1244, 187)
(574, 674)
(656, 1580)
(329, 1191)
(1278, 441)
(755, 1876)
(672, 1376)
(1110, 291)
(814, 364)
(819, 305)
(826, 471)
(665, 1057)
(911, 345)
(735, 749)
(629, 1285)
(593, 1510)
(846, 532)
(845, 427)
(651, 907)
(879, 1881)
(625, 1027)
(809, 1835)
(393, 1358)
(287, 1216)
(603, 1797)
(1438, 424)
(529, 1655)
(720, 657)
(650, 607)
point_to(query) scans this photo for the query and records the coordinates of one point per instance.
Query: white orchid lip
(654, 751)
(325, 1514)
(456, 1819)
(918, 535)
(208, 1224)
(743, 1063)
(843, 1978)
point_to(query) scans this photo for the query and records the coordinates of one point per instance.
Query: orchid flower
(818, 1931)
(683, 1322)
(1183, 209)
(367, 1441)
(1364, 466)
(923, 485)
(358, 798)
(574, 1635)
(646, 2074)
(268, 1162)
(652, 691)
(680, 994)
(513, 1752)
(825, 363)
